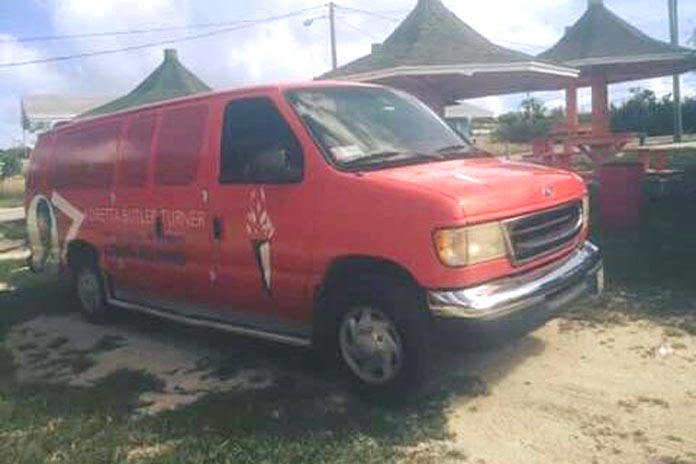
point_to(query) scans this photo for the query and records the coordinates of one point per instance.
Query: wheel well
(344, 270)
(80, 251)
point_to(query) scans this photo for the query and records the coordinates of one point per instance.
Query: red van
(342, 215)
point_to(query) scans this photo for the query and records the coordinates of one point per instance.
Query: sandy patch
(66, 349)
(148, 452)
(14, 253)
(574, 394)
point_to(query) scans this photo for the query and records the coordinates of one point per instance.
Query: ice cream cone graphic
(262, 250)
(260, 230)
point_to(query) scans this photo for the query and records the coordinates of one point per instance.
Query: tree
(644, 113)
(531, 122)
(10, 166)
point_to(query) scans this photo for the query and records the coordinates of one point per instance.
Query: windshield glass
(362, 125)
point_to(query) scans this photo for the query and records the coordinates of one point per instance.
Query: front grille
(539, 234)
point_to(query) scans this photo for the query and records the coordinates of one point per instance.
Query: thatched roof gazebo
(436, 56)
(607, 49)
(170, 79)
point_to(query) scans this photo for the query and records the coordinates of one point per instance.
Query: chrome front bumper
(550, 288)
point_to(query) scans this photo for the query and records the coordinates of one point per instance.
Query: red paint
(620, 195)
(142, 177)
(600, 104)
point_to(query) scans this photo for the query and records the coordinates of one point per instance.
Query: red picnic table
(577, 140)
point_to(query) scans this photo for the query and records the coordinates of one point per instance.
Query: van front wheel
(370, 345)
(89, 285)
(382, 333)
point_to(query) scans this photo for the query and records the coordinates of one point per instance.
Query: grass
(650, 269)
(11, 201)
(12, 192)
(661, 251)
(296, 420)
(13, 230)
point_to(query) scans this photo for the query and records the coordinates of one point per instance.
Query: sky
(288, 49)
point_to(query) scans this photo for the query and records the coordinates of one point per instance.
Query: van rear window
(135, 153)
(179, 144)
(85, 158)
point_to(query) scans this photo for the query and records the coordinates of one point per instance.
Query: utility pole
(332, 27)
(676, 84)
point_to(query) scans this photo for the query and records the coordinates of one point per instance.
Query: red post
(571, 108)
(600, 104)
(660, 161)
(620, 195)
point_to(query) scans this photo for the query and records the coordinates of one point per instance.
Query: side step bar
(222, 326)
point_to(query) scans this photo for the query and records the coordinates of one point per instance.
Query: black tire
(403, 307)
(90, 290)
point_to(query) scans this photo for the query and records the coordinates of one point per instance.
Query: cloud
(14, 82)
(39, 77)
(284, 50)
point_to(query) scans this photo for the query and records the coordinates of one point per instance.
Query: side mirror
(272, 166)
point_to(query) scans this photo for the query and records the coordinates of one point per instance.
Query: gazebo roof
(170, 79)
(600, 39)
(433, 41)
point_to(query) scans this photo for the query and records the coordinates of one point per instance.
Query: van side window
(98, 160)
(258, 145)
(135, 153)
(85, 158)
(179, 144)
(67, 147)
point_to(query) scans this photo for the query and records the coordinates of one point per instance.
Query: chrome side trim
(224, 327)
(555, 284)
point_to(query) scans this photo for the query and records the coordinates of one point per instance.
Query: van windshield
(362, 127)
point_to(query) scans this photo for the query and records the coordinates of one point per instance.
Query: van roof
(276, 87)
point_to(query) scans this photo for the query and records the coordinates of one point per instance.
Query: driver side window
(258, 145)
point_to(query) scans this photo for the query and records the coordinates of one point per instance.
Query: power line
(345, 22)
(47, 38)
(368, 13)
(245, 25)
(384, 16)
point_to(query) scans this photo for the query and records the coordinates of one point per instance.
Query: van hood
(489, 188)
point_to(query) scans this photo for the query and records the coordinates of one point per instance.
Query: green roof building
(436, 56)
(170, 79)
(601, 41)
(607, 49)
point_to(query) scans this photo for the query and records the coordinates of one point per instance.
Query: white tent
(42, 112)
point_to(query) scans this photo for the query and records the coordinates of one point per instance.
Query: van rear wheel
(89, 286)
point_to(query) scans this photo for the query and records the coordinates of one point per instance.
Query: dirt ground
(571, 392)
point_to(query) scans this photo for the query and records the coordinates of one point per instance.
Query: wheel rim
(89, 291)
(370, 345)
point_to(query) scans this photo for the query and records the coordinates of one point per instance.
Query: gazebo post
(600, 104)
(571, 96)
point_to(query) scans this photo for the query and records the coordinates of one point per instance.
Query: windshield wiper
(463, 150)
(456, 149)
(389, 156)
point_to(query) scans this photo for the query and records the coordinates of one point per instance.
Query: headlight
(470, 245)
(585, 211)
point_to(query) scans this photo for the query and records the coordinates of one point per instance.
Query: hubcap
(89, 292)
(370, 345)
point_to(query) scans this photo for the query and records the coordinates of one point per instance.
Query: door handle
(159, 227)
(217, 228)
